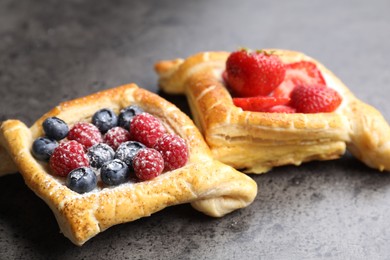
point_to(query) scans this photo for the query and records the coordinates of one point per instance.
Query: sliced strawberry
(281, 109)
(284, 89)
(260, 103)
(298, 73)
(309, 72)
(314, 99)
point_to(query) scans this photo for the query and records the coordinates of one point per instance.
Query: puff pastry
(210, 186)
(255, 142)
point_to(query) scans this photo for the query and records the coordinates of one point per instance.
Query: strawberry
(284, 89)
(253, 73)
(297, 73)
(260, 104)
(312, 73)
(314, 99)
(225, 77)
(281, 109)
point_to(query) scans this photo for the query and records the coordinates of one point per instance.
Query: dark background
(51, 51)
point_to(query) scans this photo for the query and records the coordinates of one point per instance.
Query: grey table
(51, 51)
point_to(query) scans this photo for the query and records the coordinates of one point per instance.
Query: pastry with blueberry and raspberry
(117, 156)
(267, 108)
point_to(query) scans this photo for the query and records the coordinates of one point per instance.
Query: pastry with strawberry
(267, 108)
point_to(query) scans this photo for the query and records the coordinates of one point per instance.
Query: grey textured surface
(52, 51)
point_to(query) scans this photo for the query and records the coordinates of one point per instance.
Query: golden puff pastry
(254, 141)
(210, 186)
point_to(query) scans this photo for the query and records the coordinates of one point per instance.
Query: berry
(146, 129)
(311, 74)
(314, 99)
(284, 89)
(104, 119)
(43, 148)
(298, 73)
(116, 136)
(254, 73)
(55, 128)
(100, 153)
(260, 104)
(174, 151)
(127, 151)
(114, 172)
(225, 77)
(281, 109)
(86, 134)
(148, 164)
(127, 114)
(67, 157)
(81, 180)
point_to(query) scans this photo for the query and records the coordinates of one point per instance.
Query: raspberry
(146, 129)
(174, 151)
(67, 157)
(86, 134)
(115, 136)
(148, 164)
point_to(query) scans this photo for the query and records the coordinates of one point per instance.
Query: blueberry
(55, 128)
(127, 114)
(127, 151)
(43, 148)
(81, 180)
(114, 172)
(105, 119)
(100, 153)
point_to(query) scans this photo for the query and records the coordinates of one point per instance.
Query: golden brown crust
(212, 187)
(256, 142)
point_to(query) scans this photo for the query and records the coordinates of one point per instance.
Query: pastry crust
(255, 142)
(210, 186)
